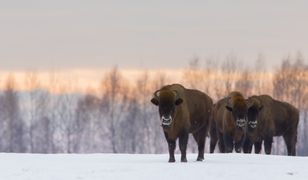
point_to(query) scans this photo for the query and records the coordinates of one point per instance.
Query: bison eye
(178, 101)
(229, 108)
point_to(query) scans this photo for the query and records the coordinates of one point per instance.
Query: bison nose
(241, 122)
(166, 120)
(252, 124)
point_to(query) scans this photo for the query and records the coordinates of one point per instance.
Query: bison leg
(200, 139)
(171, 147)
(183, 146)
(258, 147)
(221, 144)
(290, 141)
(238, 146)
(228, 140)
(213, 141)
(268, 145)
(213, 144)
(247, 146)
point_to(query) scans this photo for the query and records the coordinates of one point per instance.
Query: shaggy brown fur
(189, 111)
(276, 118)
(227, 123)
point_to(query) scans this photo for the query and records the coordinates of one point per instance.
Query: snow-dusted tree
(114, 102)
(132, 130)
(64, 106)
(142, 94)
(3, 126)
(38, 121)
(15, 129)
(89, 127)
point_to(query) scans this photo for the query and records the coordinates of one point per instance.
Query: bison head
(254, 107)
(239, 110)
(166, 100)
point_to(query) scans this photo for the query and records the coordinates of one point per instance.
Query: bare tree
(15, 125)
(193, 76)
(115, 101)
(244, 83)
(64, 117)
(88, 125)
(260, 76)
(38, 102)
(281, 82)
(230, 67)
(132, 130)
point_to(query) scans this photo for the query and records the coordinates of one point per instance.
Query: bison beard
(183, 111)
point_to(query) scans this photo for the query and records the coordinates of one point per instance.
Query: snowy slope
(150, 167)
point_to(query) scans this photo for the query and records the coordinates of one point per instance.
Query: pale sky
(40, 34)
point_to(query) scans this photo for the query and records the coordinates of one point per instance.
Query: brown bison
(228, 123)
(183, 111)
(268, 117)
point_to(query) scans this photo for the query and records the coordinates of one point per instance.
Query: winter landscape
(110, 90)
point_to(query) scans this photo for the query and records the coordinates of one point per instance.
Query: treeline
(119, 118)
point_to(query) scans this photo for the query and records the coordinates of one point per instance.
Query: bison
(228, 123)
(183, 111)
(268, 117)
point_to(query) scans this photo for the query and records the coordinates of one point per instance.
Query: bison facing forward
(268, 117)
(228, 123)
(183, 111)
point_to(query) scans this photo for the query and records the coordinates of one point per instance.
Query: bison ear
(229, 108)
(155, 101)
(178, 101)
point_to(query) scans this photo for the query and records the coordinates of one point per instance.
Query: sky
(60, 34)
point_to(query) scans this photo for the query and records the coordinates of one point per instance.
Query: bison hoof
(200, 159)
(183, 160)
(229, 150)
(171, 160)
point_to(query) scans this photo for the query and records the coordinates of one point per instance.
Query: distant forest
(121, 119)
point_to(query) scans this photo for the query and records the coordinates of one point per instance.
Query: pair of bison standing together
(234, 122)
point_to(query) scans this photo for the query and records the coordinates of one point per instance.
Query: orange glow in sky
(75, 80)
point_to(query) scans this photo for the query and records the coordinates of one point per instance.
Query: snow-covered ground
(150, 167)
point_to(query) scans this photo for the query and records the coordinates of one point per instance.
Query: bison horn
(155, 99)
(156, 93)
(175, 93)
